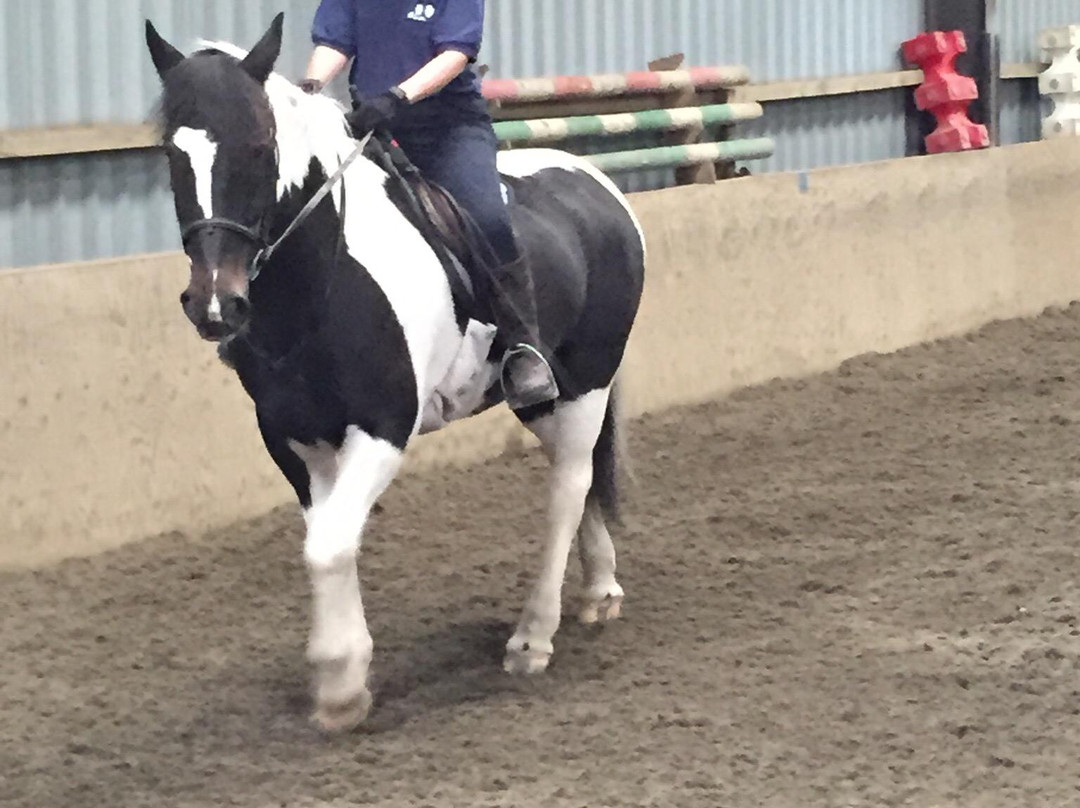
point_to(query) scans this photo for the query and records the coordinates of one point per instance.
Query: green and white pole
(680, 156)
(653, 120)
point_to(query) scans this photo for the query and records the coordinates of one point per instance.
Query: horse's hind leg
(568, 435)
(603, 596)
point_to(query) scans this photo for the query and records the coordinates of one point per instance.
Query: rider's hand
(311, 86)
(376, 113)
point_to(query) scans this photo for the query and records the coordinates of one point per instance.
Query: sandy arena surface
(857, 589)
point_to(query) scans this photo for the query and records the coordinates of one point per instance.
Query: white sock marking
(344, 486)
(568, 437)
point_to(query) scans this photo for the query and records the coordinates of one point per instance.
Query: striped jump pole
(680, 156)
(552, 129)
(614, 84)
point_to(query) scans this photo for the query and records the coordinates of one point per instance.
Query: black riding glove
(376, 113)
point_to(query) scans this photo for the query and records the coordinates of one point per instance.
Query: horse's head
(219, 134)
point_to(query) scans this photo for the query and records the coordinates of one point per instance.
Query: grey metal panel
(809, 133)
(70, 61)
(776, 39)
(812, 133)
(83, 61)
(1019, 23)
(84, 207)
(1022, 111)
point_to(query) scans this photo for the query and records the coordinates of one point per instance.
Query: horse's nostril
(235, 309)
(185, 298)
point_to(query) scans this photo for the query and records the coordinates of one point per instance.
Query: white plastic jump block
(1061, 81)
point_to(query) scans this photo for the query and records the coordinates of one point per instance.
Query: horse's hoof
(337, 718)
(526, 661)
(600, 610)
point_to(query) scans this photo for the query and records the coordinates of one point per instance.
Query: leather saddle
(462, 248)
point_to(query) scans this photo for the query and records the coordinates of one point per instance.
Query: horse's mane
(283, 92)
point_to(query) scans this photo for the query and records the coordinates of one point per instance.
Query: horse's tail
(610, 460)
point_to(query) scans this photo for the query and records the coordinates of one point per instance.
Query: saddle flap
(464, 389)
(441, 211)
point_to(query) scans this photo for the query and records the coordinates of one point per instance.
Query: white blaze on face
(213, 311)
(201, 151)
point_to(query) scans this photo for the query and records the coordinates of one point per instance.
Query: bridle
(266, 249)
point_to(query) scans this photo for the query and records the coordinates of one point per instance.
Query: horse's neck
(290, 294)
(379, 238)
(312, 143)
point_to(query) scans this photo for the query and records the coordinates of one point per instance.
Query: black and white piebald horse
(351, 339)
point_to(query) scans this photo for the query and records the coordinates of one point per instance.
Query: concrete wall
(116, 422)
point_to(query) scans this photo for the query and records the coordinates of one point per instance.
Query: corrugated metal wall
(75, 208)
(1019, 23)
(1022, 112)
(777, 39)
(811, 133)
(83, 61)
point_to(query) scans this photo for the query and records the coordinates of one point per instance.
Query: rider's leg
(461, 158)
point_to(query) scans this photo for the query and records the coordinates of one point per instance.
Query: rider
(412, 76)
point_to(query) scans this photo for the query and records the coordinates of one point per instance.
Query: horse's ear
(260, 61)
(165, 56)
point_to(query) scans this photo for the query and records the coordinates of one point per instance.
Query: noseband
(266, 250)
(247, 233)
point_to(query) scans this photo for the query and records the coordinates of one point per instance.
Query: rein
(276, 362)
(267, 250)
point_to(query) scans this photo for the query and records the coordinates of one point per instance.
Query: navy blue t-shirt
(391, 39)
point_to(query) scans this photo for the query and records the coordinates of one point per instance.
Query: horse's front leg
(345, 483)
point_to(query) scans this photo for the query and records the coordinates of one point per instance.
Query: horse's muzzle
(213, 332)
(218, 317)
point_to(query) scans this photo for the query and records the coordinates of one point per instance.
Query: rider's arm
(332, 33)
(435, 75)
(325, 64)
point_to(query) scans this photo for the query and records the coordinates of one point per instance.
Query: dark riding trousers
(454, 145)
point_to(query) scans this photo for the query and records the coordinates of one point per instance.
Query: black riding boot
(527, 378)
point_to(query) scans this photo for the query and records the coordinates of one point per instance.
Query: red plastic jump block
(946, 94)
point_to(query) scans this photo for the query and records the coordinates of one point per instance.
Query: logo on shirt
(422, 13)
